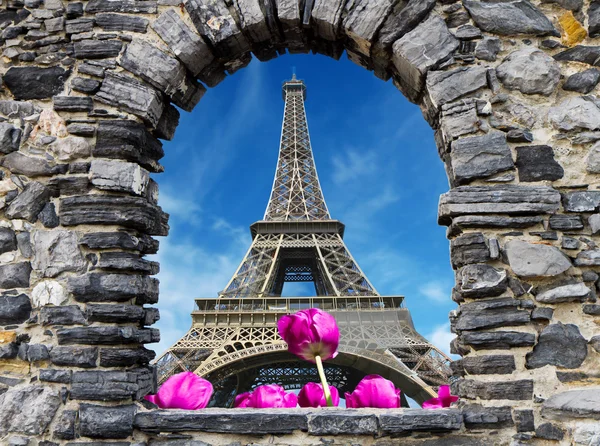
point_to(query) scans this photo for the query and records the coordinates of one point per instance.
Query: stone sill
(326, 421)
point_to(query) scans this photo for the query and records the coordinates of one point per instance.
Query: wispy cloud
(441, 337)
(436, 291)
(353, 165)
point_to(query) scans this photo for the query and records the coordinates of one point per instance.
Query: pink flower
(183, 391)
(374, 391)
(267, 396)
(312, 395)
(310, 333)
(444, 399)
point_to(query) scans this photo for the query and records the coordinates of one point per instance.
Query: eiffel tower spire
(233, 341)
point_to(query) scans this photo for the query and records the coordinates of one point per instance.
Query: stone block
(515, 390)
(48, 292)
(27, 83)
(582, 403)
(64, 429)
(560, 345)
(28, 410)
(99, 287)
(48, 216)
(29, 203)
(566, 222)
(535, 260)
(589, 257)
(469, 248)
(62, 315)
(582, 201)
(106, 422)
(132, 96)
(85, 85)
(126, 6)
(120, 240)
(480, 280)
(73, 103)
(459, 120)
(96, 49)
(583, 82)
(524, 420)
(84, 357)
(447, 86)
(114, 314)
(109, 21)
(55, 376)
(497, 340)
(575, 113)
(537, 163)
(592, 309)
(130, 212)
(119, 176)
(326, 18)
(8, 240)
(10, 138)
(125, 357)
(56, 251)
(484, 365)
(126, 261)
(362, 21)
(15, 275)
(492, 313)
(477, 416)
(542, 314)
(107, 335)
(529, 70)
(411, 420)
(480, 156)
(342, 422)
(576, 292)
(168, 123)
(31, 166)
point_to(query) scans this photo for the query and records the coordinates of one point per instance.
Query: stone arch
(87, 93)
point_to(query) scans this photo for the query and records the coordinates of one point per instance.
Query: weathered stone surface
(362, 21)
(447, 86)
(48, 292)
(106, 422)
(131, 212)
(97, 287)
(125, 357)
(213, 20)
(593, 159)
(509, 18)
(34, 82)
(500, 312)
(84, 357)
(62, 315)
(31, 166)
(498, 340)
(56, 376)
(96, 49)
(29, 202)
(422, 49)
(584, 403)
(107, 335)
(507, 199)
(340, 422)
(10, 138)
(537, 163)
(584, 201)
(130, 141)
(592, 309)
(564, 293)
(480, 280)
(488, 48)
(575, 113)
(542, 314)
(580, 53)
(8, 240)
(548, 431)
(185, 44)
(560, 345)
(65, 426)
(586, 434)
(163, 72)
(460, 120)
(114, 314)
(119, 22)
(85, 85)
(120, 240)
(484, 365)
(524, 420)
(119, 176)
(530, 71)
(14, 309)
(126, 261)
(477, 416)
(494, 221)
(583, 82)
(73, 103)
(469, 248)
(516, 390)
(566, 222)
(56, 251)
(572, 5)
(480, 156)
(15, 275)
(28, 410)
(112, 385)
(48, 216)
(532, 260)
(417, 419)
(589, 257)
(131, 95)
(127, 6)
(165, 129)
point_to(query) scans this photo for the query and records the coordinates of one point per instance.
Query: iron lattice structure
(233, 340)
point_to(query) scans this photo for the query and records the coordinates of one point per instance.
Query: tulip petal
(312, 395)
(151, 398)
(444, 399)
(267, 396)
(184, 391)
(374, 391)
(242, 400)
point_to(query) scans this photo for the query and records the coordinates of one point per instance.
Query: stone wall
(89, 89)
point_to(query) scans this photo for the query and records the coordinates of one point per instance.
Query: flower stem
(326, 390)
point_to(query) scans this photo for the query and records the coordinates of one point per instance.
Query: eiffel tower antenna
(233, 340)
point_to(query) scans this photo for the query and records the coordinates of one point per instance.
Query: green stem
(326, 390)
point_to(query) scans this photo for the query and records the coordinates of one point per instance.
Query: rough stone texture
(477, 416)
(583, 82)
(530, 71)
(508, 18)
(10, 138)
(537, 163)
(15, 275)
(14, 308)
(74, 356)
(119, 176)
(565, 293)
(119, 22)
(29, 203)
(34, 82)
(96, 287)
(480, 156)
(56, 251)
(586, 201)
(106, 422)
(498, 340)
(524, 420)
(533, 260)
(575, 113)
(559, 345)
(521, 389)
(66, 424)
(447, 86)
(584, 403)
(120, 240)
(588, 258)
(492, 313)
(469, 248)
(566, 222)
(28, 410)
(62, 315)
(106, 335)
(31, 166)
(480, 280)
(48, 292)
(8, 240)
(484, 365)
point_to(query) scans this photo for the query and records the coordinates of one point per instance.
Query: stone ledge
(314, 421)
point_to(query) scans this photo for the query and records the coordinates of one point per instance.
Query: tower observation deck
(233, 341)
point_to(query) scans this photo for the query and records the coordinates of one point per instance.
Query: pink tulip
(374, 391)
(444, 399)
(183, 391)
(310, 333)
(265, 397)
(312, 395)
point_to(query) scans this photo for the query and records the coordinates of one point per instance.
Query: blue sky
(378, 167)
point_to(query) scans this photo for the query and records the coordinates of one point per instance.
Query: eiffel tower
(233, 341)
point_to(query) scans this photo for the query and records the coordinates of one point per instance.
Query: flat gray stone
(535, 260)
(97, 287)
(484, 365)
(488, 48)
(106, 422)
(583, 82)
(28, 410)
(14, 309)
(480, 156)
(575, 113)
(362, 21)
(469, 248)
(56, 251)
(564, 293)
(559, 345)
(29, 203)
(477, 416)
(590, 257)
(10, 138)
(515, 390)
(584, 403)
(119, 22)
(8, 240)
(566, 222)
(119, 176)
(497, 340)
(15, 275)
(492, 313)
(447, 86)
(507, 18)
(30, 166)
(531, 71)
(35, 82)
(481, 280)
(583, 201)
(593, 159)
(84, 357)
(411, 420)
(580, 53)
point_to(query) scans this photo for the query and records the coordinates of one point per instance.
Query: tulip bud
(374, 391)
(267, 396)
(444, 399)
(183, 391)
(312, 395)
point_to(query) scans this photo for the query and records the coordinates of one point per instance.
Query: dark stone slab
(263, 421)
(515, 390)
(8, 240)
(127, 6)
(581, 201)
(125, 357)
(549, 431)
(29, 203)
(111, 386)
(62, 315)
(542, 314)
(566, 222)
(481, 280)
(10, 138)
(342, 422)
(492, 313)
(411, 420)
(560, 345)
(484, 365)
(9, 351)
(126, 261)
(107, 335)
(589, 257)
(48, 216)
(131, 212)
(114, 314)
(584, 403)
(477, 416)
(34, 82)
(64, 429)
(592, 309)
(106, 422)
(55, 376)
(495, 221)
(31, 166)
(497, 340)
(15, 275)
(120, 240)
(120, 22)
(524, 420)
(469, 248)
(537, 163)
(85, 85)
(584, 54)
(98, 287)
(583, 82)
(84, 357)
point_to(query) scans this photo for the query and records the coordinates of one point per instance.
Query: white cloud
(353, 165)
(436, 291)
(441, 337)
(179, 207)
